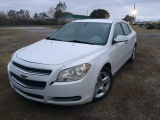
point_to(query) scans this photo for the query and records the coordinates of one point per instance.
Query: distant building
(71, 17)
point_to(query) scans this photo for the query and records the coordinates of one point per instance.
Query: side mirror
(120, 38)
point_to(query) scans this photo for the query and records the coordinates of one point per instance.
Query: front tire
(103, 85)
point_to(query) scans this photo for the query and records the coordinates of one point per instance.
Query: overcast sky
(146, 9)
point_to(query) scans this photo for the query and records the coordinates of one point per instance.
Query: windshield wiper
(48, 38)
(76, 41)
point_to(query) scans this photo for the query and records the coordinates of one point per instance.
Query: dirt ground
(135, 94)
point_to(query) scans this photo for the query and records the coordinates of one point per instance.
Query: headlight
(74, 73)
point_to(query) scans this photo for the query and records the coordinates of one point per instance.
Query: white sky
(146, 9)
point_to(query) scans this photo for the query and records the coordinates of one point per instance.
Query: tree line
(22, 17)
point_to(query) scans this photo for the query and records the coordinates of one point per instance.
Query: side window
(126, 29)
(129, 29)
(118, 30)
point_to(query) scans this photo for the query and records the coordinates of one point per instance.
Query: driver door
(118, 50)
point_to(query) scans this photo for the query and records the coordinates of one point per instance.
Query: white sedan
(75, 64)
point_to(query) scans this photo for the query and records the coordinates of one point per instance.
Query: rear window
(126, 29)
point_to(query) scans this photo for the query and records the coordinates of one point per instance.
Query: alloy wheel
(102, 85)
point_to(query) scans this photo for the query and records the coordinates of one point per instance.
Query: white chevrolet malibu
(75, 64)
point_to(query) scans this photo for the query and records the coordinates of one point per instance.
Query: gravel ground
(135, 93)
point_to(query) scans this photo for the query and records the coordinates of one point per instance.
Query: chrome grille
(32, 70)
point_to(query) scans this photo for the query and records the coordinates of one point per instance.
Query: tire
(132, 58)
(103, 85)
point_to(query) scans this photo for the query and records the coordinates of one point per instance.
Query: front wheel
(103, 85)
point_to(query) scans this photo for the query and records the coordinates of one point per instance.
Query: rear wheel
(103, 85)
(133, 55)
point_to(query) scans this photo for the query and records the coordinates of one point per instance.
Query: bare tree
(51, 12)
(59, 9)
(61, 6)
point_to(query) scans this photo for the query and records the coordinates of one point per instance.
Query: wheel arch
(107, 65)
(135, 44)
(105, 68)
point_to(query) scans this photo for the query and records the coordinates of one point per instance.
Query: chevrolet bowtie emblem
(23, 76)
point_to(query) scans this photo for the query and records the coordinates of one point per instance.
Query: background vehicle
(158, 25)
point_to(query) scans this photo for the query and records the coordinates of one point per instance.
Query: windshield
(83, 32)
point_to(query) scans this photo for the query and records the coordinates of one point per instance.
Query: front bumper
(60, 93)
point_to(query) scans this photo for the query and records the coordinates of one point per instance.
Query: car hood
(54, 52)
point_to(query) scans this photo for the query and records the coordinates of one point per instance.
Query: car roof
(98, 20)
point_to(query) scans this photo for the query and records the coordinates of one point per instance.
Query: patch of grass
(5, 58)
(55, 26)
(139, 29)
(10, 32)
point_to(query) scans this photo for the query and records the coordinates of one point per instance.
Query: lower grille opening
(31, 95)
(74, 98)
